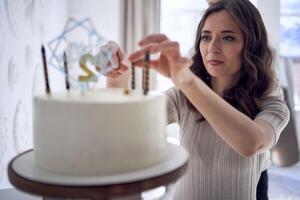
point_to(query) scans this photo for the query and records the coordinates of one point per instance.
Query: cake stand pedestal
(25, 176)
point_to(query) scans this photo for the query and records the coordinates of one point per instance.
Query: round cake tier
(99, 132)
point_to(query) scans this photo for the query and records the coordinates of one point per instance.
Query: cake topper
(104, 62)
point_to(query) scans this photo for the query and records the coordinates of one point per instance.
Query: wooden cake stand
(26, 176)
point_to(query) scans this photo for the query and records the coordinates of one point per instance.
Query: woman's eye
(228, 38)
(204, 38)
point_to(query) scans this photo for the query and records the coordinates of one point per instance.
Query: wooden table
(128, 190)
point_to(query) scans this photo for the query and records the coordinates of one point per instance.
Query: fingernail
(141, 43)
(130, 57)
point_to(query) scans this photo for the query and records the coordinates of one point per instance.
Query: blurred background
(76, 27)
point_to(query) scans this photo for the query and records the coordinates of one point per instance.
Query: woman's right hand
(118, 77)
(169, 63)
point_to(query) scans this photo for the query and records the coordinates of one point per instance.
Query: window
(290, 42)
(179, 20)
(290, 28)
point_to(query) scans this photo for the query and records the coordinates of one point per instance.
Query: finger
(115, 71)
(120, 69)
(121, 55)
(138, 55)
(123, 68)
(184, 62)
(170, 47)
(118, 54)
(113, 74)
(155, 48)
(152, 64)
(125, 62)
(116, 58)
(153, 38)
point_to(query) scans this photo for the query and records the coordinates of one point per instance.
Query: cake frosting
(99, 132)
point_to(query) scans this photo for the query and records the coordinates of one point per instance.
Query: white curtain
(140, 17)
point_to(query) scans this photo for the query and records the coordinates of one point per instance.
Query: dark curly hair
(256, 76)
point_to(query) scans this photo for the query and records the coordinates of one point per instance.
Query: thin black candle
(66, 71)
(132, 76)
(146, 74)
(48, 91)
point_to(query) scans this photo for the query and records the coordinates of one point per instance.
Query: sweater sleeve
(275, 112)
(172, 106)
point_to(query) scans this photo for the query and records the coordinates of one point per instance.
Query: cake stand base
(155, 182)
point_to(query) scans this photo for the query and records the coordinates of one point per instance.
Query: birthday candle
(48, 91)
(66, 71)
(146, 74)
(132, 76)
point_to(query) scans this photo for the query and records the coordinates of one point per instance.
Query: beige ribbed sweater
(217, 172)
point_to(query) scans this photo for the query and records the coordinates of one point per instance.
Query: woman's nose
(214, 47)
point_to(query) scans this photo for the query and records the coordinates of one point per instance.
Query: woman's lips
(215, 62)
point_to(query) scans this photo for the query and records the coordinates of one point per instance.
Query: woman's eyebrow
(223, 31)
(228, 31)
(205, 31)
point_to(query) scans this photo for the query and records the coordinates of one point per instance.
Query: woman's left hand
(169, 63)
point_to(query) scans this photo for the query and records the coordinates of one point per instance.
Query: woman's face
(221, 45)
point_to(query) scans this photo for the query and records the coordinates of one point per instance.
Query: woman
(222, 101)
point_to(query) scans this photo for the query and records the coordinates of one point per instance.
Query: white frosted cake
(99, 132)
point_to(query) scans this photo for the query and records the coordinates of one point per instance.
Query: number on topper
(90, 74)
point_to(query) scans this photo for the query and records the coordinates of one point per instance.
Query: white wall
(24, 25)
(104, 14)
(22, 22)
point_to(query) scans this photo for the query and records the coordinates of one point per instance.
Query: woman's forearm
(234, 127)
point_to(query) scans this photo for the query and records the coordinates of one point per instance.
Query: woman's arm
(244, 135)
